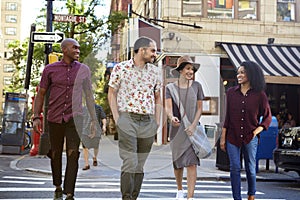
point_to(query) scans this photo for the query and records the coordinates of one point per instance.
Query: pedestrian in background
(91, 140)
(134, 99)
(290, 122)
(246, 103)
(190, 96)
(65, 80)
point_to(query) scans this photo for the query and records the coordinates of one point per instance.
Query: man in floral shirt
(134, 99)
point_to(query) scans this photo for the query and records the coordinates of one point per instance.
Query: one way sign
(47, 37)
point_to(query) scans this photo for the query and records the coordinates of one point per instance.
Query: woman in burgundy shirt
(246, 103)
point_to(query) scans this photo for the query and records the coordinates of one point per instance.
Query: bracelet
(36, 118)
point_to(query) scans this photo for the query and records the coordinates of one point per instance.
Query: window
(11, 18)
(7, 80)
(11, 6)
(286, 10)
(191, 7)
(10, 31)
(7, 54)
(221, 9)
(247, 9)
(147, 8)
(8, 68)
(7, 42)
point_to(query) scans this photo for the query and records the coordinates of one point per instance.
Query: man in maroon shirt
(66, 80)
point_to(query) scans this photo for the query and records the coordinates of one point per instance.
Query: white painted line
(22, 182)
(26, 178)
(144, 199)
(19, 189)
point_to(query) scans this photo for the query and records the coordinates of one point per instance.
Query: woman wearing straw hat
(190, 94)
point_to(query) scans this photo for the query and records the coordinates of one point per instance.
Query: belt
(139, 117)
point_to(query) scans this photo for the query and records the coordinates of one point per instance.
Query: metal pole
(29, 59)
(44, 140)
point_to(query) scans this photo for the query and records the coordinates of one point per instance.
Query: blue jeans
(249, 154)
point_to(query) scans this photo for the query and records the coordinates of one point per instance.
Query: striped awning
(275, 60)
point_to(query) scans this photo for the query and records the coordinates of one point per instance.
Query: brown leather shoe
(86, 167)
(251, 197)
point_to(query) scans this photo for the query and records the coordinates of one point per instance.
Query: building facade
(219, 34)
(10, 27)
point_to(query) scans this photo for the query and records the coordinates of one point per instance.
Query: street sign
(47, 37)
(69, 18)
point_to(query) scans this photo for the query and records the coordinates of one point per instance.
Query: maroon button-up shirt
(66, 84)
(243, 114)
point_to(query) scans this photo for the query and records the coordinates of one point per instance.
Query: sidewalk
(158, 165)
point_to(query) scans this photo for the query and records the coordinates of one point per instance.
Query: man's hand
(37, 125)
(104, 129)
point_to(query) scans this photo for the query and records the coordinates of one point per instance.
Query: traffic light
(52, 58)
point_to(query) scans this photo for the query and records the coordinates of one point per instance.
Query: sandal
(95, 163)
(86, 167)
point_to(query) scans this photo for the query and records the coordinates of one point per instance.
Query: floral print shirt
(136, 86)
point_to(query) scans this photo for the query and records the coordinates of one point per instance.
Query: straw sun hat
(182, 61)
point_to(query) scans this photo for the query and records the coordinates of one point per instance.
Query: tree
(91, 35)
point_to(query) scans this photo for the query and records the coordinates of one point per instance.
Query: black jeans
(57, 133)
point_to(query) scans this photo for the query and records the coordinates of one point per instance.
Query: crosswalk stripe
(143, 199)
(22, 182)
(143, 190)
(155, 186)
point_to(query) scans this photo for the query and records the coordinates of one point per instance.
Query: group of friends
(134, 97)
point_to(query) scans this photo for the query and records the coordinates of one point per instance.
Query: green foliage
(115, 20)
(91, 35)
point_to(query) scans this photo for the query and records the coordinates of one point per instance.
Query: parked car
(287, 153)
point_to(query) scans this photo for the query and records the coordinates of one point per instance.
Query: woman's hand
(190, 130)
(223, 140)
(175, 121)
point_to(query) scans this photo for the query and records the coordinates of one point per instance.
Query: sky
(31, 9)
(29, 13)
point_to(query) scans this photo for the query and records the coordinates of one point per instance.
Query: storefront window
(286, 10)
(191, 7)
(247, 9)
(221, 9)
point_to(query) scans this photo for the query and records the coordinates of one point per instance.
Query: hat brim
(175, 71)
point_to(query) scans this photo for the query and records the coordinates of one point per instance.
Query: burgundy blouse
(243, 114)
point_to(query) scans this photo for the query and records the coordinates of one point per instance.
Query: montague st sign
(69, 18)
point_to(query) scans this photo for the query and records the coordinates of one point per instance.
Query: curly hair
(255, 75)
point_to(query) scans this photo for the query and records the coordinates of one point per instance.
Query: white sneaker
(180, 194)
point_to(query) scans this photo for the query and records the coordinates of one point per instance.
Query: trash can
(267, 144)
(210, 131)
